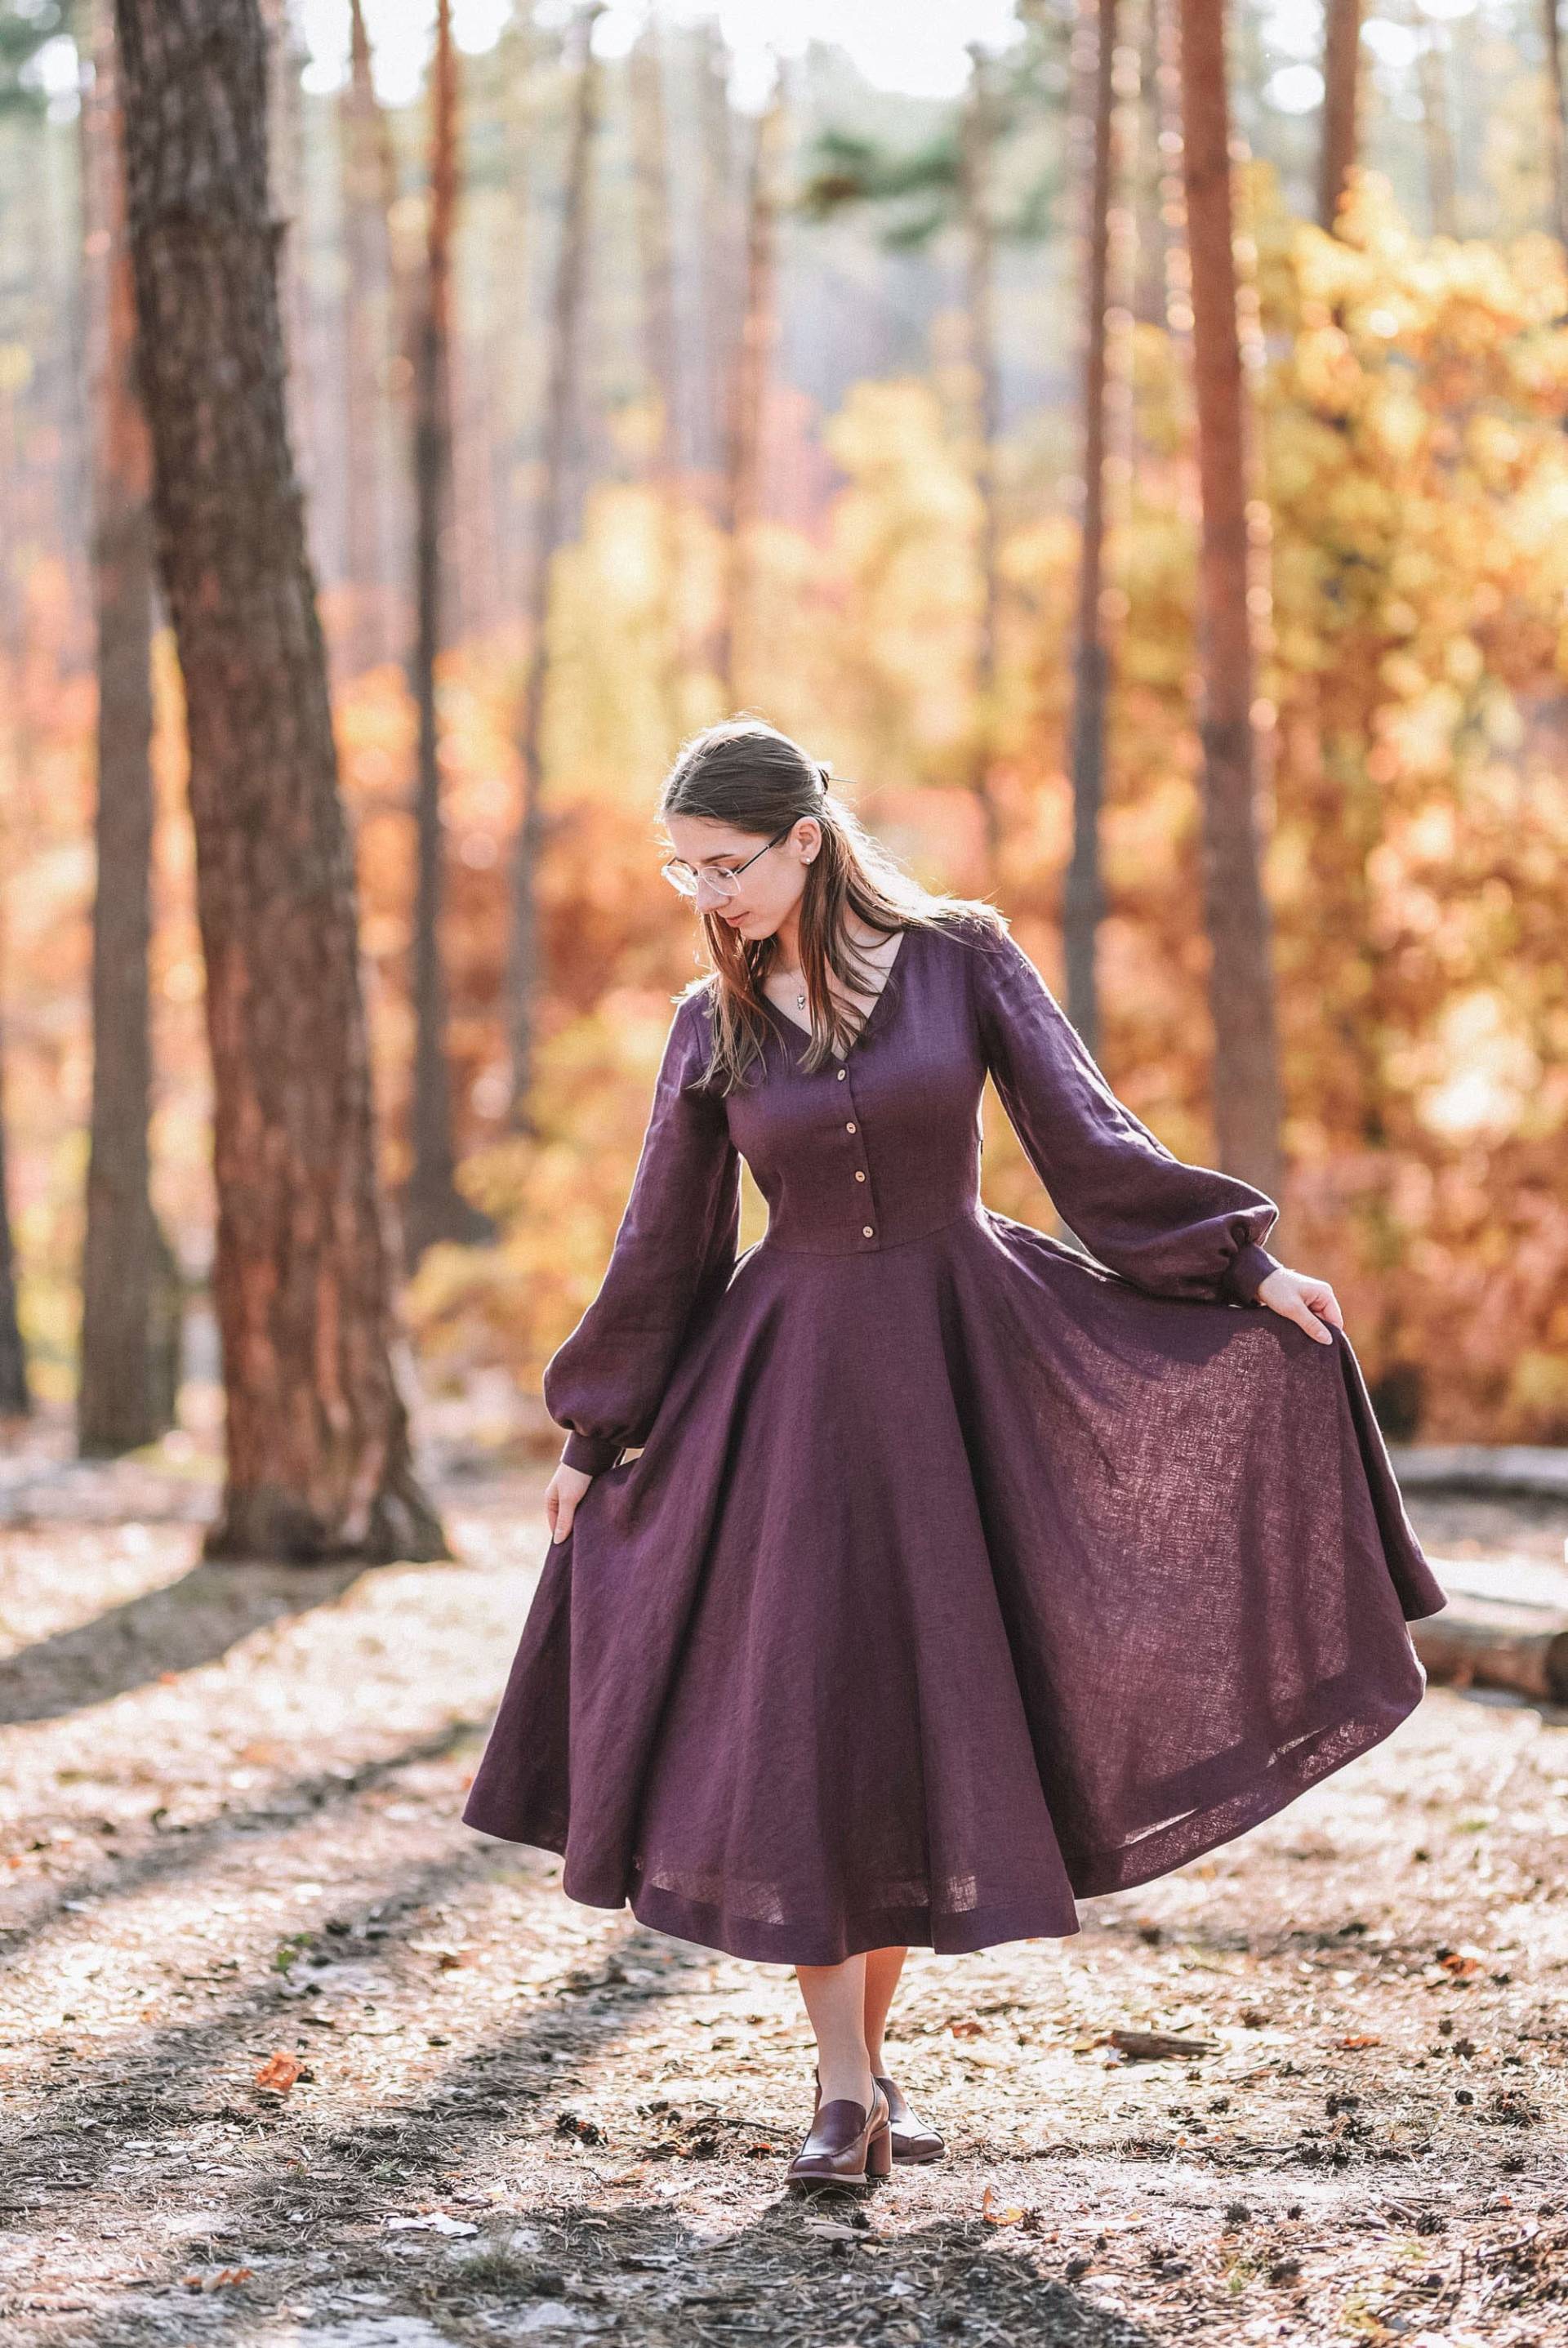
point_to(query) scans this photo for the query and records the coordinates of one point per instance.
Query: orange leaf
(993, 2215)
(279, 2072)
(1359, 2038)
(964, 2030)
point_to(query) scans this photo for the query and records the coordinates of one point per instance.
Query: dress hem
(1250, 1805)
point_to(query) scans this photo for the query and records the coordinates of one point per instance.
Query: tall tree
(15, 1395)
(1437, 125)
(1341, 107)
(560, 412)
(129, 1282)
(660, 344)
(1556, 120)
(723, 236)
(950, 182)
(750, 377)
(433, 1207)
(1083, 897)
(318, 1460)
(367, 349)
(979, 134)
(21, 36)
(1247, 1088)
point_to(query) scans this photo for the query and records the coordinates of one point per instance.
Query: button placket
(861, 1173)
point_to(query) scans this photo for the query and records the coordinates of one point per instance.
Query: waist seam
(884, 1247)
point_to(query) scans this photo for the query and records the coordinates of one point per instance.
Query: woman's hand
(1307, 1302)
(566, 1489)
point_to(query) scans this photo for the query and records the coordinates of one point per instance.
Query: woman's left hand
(1307, 1302)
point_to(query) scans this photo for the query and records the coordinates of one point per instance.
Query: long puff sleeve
(1174, 1228)
(674, 1253)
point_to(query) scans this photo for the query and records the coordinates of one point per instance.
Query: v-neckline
(796, 1027)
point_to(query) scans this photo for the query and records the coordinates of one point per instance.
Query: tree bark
(433, 1206)
(128, 1388)
(1443, 178)
(723, 234)
(1084, 901)
(1247, 1088)
(1341, 105)
(367, 349)
(660, 350)
(750, 375)
(16, 1396)
(976, 144)
(560, 407)
(1556, 120)
(318, 1460)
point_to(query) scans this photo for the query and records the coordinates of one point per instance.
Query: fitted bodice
(873, 1151)
(881, 1147)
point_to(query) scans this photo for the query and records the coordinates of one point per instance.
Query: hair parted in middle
(745, 773)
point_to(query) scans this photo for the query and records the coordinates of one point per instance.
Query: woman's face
(773, 881)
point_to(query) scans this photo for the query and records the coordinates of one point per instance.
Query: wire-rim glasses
(724, 880)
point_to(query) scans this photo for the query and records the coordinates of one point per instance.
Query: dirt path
(233, 1839)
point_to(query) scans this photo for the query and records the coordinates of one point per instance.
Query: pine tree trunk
(1341, 99)
(367, 348)
(723, 271)
(1556, 120)
(15, 1397)
(660, 350)
(1247, 1088)
(319, 1448)
(524, 972)
(977, 140)
(433, 1207)
(1443, 178)
(124, 1399)
(752, 372)
(1084, 899)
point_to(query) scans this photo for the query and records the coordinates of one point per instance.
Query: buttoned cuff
(590, 1454)
(1246, 1272)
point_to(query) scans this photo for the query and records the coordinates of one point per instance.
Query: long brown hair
(748, 774)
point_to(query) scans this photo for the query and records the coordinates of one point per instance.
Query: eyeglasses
(723, 880)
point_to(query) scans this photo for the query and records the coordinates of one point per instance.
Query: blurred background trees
(647, 365)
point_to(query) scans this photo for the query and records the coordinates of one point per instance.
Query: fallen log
(1517, 1471)
(1476, 1642)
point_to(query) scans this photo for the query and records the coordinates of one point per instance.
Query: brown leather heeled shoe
(848, 2145)
(915, 2141)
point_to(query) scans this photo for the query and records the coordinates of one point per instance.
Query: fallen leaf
(1455, 1963)
(438, 2222)
(966, 2030)
(994, 2214)
(830, 2230)
(1359, 2038)
(279, 2073)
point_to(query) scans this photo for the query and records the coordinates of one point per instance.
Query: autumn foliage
(1410, 405)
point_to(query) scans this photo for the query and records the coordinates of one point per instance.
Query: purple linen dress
(957, 1573)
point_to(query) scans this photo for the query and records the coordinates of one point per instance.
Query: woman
(957, 1573)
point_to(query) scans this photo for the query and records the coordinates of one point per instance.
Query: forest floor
(294, 2058)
